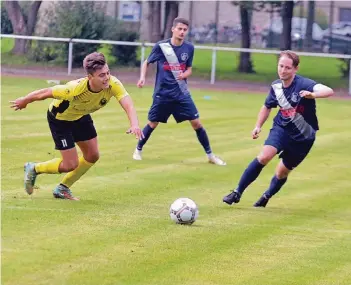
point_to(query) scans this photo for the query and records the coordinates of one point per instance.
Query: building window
(129, 11)
(345, 14)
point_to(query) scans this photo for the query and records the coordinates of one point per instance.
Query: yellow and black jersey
(74, 99)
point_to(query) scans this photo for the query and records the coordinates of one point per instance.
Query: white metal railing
(143, 45)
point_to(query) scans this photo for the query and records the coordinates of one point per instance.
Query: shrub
(6, 26)
(66, 20)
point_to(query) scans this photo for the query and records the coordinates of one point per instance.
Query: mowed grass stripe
(152, 211)
(120, 232)
(242, 236)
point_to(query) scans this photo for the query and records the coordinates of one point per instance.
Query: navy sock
(147, 131)
(275, 186)
(203, 139)
(250, 174)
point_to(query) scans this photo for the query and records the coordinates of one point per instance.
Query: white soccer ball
(184, 211)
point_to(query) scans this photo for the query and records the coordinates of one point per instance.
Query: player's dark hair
(93, 62)
(180, 21)
(293, 56)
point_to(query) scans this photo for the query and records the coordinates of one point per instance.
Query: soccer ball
(184, 211)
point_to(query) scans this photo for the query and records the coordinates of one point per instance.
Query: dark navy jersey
(171, 60)
(297, 115)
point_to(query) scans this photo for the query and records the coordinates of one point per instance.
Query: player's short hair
(93, 62)
(180, 21)
(293, 56)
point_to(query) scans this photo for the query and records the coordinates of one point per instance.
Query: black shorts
(182, 110)
(66, 133)
(291, 152)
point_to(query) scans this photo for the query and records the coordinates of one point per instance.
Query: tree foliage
(84, 20)
(6, 26)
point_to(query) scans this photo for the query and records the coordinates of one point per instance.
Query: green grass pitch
(121, 233)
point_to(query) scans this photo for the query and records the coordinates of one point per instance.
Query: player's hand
(136, 131)
(307, 94)
(180, 76)
(141, 82)
(255, 133)
(19, 103)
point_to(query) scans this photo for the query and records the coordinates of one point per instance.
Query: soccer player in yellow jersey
(70, 122)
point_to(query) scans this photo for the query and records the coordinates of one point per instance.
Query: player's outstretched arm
(128, 106)
(37, 95)
(261, 119)
(319, 91)
(143, 71)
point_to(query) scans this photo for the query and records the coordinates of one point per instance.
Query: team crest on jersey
(294, 97)
(184, 56)
(103, 102)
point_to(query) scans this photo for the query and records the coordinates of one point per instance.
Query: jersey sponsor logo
(184, 56)
(103, 101)
(174, 66)
(290, 113)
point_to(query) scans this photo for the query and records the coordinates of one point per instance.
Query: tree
(171, 12)
(287, 14)
(245, 63)
(309, 27)
(65, 20)
(23, 23)
(246, 9)
(154, 19)
(6, 26)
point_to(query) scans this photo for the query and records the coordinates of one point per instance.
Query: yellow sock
(51, 166)
(74, 175)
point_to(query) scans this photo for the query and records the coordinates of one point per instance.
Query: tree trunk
(309, 27)
(19, 24)
(166, 12)
(190, 20)
(33, 16)
(173, 10)
(154, 21)
(217, 21)
(287, 14)
(245, 65)
(150, 19)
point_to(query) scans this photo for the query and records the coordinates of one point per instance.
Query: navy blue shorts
(182, 110)
(66, 133)
(291, 152)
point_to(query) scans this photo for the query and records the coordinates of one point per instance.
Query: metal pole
(331, 20)
(350, 77)
(300, 41)
(213, 68)
(217, 22)
(191, 18)
(70, 57)
(142, 58)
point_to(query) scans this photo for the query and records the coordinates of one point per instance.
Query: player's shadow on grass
(191, 225)
(275, 210)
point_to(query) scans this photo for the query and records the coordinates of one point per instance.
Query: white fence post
(143, 45)
(70, 57)
(213, 67)
(142, 58)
